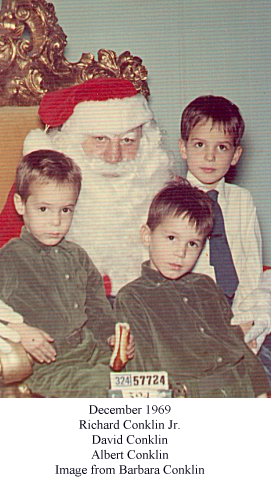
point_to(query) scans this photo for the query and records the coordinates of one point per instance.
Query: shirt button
(75, 305)
(202, 330)
(67, 276)
(219, 359)
(158, 284)
(185, 299)
(56, 251)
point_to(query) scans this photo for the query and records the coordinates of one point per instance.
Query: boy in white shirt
(211, 132)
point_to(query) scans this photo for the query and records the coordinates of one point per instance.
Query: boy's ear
(19, 204)
(183, 149)
(237, 153)
(145, 235)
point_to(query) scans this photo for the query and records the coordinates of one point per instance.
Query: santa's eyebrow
(130, 133)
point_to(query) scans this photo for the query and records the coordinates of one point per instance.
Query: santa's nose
(114, 152)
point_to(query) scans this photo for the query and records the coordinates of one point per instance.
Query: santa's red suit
(114, 199)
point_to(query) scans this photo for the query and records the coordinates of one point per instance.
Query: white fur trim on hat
(115, 116)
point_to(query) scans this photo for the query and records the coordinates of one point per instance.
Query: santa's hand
(7, 314)
(257, 333)
(252, 345)
(246, 327)
(7, 333)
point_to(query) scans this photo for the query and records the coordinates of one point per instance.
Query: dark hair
(44, 165)
(219, 109)
(177, 198)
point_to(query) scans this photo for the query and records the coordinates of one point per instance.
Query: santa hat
(98, 106)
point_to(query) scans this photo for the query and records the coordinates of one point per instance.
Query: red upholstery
(10, 222)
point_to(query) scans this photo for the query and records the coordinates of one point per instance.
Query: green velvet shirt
(183, 326)
(57, 289)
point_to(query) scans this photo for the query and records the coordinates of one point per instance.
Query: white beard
(111, 210)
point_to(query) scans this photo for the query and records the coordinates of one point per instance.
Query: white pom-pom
(37, 139)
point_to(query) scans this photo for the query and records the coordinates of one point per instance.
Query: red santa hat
(99, 106)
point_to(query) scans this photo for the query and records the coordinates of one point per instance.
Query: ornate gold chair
(32, 62)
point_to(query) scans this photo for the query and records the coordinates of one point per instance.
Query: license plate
(150, 380)
(139, 384)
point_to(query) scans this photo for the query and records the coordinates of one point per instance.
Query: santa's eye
(101, 139)
(128, 141)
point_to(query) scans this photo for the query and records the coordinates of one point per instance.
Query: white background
(229, 438)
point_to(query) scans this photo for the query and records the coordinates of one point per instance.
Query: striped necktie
(220, 254)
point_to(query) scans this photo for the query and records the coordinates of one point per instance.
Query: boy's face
(209, 153)
(174, 246)
(48, 211)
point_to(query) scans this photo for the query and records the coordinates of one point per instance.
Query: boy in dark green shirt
(54, 284)
(181, 320)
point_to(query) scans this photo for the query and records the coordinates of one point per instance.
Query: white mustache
(99, 166)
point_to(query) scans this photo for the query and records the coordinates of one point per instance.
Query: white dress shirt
(244, 238)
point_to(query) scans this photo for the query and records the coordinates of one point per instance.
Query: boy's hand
(36, 342)
(130, 347)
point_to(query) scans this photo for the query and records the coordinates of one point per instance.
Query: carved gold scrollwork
(32, 59)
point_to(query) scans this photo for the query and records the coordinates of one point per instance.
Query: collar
(27, 237)
(157, 279)
(205, 188)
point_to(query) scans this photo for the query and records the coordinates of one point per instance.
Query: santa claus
(108, 128)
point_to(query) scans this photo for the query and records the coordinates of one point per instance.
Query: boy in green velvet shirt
(54, 285)
(181, 320)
